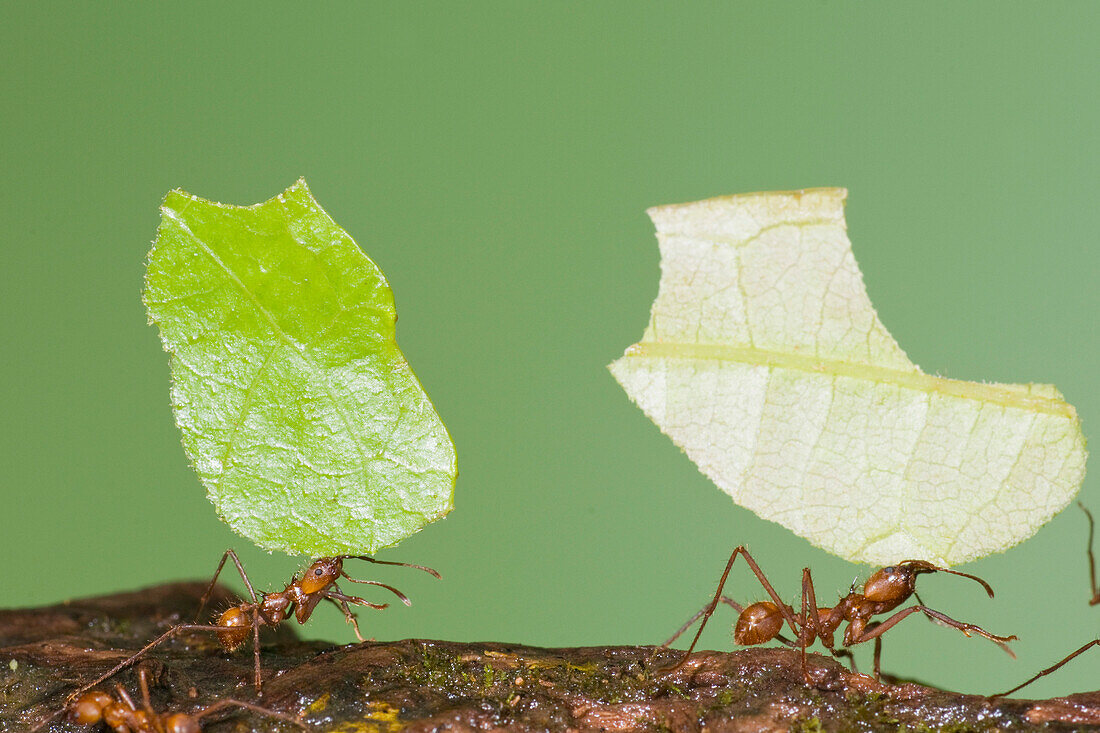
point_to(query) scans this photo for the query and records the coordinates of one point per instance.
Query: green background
(495, 159)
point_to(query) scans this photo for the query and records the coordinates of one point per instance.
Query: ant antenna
(1048, 670)
(399, 594)
(975, 578)
(230, 702)
(368, 558)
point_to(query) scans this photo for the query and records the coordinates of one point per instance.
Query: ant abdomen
(235, 625)
(758, 623)
(88, 708)
(181, 723)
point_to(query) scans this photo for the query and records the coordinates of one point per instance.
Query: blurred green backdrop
(495, 160)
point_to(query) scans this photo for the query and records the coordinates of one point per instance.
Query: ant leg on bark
(1048, 670)
(73, 696)
(811, 624)
(230, 702)
(140, 653)
(687, 625)
(339, 599)
(143, 685)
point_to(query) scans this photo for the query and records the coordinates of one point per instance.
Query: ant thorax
(275, 606)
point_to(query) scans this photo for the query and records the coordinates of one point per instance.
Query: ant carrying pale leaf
(883, 592)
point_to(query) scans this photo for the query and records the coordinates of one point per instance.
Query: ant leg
(143, 683)
(1092, 560)
(845, 654)
(257, 680)
(122, 695)
(724, 599)
(368, 558)
(812, 627)
(399, 594)
(220, 704)
(354, 600)
(881, 628)
(788, 615)
(139, 654)
(811, 622)
(1001, 641)
(1048, 670)
(349, 617)
(210, 588)
(878, 658)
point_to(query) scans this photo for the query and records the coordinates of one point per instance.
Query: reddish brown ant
(300, 597)
(884, 591)
(119, 713)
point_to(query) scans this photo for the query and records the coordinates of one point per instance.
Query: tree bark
(422, 685)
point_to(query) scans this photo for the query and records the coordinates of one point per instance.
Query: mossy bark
(422, 685)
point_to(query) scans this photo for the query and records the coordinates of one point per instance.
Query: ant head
(895, 583)
(759, 623)
(181, 723)
(321, 574)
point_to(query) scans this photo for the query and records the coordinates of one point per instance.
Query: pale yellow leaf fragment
(766, 363)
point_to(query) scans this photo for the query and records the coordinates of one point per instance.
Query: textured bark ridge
(421, 685)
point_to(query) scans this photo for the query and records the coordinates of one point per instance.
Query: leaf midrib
(915, 380)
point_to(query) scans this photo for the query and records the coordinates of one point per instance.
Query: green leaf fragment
(301, 416)
(766, 363)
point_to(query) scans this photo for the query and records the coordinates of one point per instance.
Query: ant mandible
(300, 597)
(121, 715)
(884, 591)
(1092, 602)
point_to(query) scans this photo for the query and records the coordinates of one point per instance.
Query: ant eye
(318, 572)
(889, 569)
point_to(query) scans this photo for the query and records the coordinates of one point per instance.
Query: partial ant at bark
(883, 592)
(299, 599)
(1092, 602)
(119, 713)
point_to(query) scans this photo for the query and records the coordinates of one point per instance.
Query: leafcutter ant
(119, 713)
(1092, 602)
(884, 591)
(299, 598)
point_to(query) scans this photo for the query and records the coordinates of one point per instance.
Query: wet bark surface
(421, 685)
